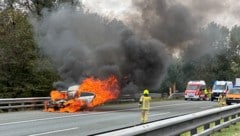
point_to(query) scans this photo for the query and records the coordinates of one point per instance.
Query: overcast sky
(224, 12)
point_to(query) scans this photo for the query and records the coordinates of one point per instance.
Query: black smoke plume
(83, 44)
(179, 24)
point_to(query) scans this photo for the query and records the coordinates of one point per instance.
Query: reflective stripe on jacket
(145, 100)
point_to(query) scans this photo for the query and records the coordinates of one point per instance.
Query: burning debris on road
(90, 93)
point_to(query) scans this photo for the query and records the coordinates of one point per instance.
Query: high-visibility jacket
(145, 102)
(205, 91)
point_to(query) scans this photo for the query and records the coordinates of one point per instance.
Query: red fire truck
(195, 90)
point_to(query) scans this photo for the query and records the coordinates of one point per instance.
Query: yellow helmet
(145, 91)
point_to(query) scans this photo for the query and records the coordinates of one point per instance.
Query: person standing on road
(209, 93)
(222, 100)
(145, 105)
(206, 94)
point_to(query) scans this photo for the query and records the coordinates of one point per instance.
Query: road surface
(103, 118)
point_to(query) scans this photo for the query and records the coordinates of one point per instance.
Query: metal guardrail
(221, 117)
(9, 104)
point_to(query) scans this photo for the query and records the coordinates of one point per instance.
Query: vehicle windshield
(234, 91)
(219, 87)
(192, 87)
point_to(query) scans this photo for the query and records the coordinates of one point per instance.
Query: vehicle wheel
(185, 99)
(212, 99)
(228, 103)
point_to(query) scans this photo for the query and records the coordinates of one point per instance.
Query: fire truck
(195, 90)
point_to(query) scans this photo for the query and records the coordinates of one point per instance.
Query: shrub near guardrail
(233, 130)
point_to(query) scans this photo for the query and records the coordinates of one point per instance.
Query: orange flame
(73, 105)
(56, 95)
(104, 91)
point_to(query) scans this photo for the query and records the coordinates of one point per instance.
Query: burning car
(62, 100)
(76, 98)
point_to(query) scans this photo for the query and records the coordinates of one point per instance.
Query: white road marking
(43, 119)
(55, 131)
(88, 113)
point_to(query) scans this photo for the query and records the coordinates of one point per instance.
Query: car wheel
(228, 103)
(212, 99)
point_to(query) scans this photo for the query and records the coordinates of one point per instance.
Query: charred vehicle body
(72, 97)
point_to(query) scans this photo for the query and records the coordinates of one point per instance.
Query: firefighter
(222, 100)
(209, 93)
(205, 94)
(144, 105)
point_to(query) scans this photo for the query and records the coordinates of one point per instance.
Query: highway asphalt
(103, 118)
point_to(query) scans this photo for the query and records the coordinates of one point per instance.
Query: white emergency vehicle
(220, 87)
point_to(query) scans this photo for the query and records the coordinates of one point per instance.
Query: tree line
(24, 70)
(221, 63)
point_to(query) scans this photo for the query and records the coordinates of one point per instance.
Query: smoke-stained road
(104, 118)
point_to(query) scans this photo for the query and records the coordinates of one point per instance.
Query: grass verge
(233, 130)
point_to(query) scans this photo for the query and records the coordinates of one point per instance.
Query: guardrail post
(226, 119)
(10, 106)
(22, 106)
(206, 126)
(233, 117)
(45, 105)
(193, 131)
(217, 122)
(33, 105)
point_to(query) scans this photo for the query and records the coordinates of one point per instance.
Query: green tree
(207, 58)
(234, 50)
(35, 7)
(20, 71)
(175, 75)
